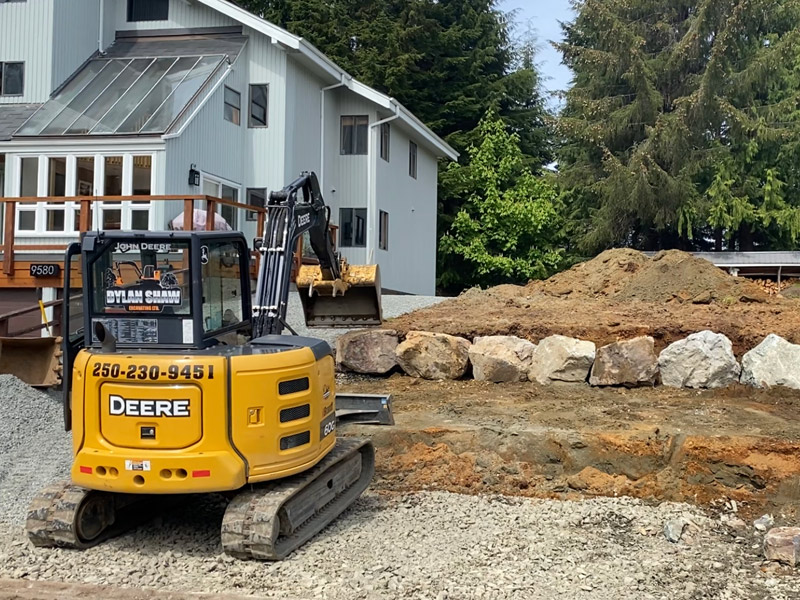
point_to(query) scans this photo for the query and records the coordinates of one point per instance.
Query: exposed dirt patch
(619, 295)
(571, 441)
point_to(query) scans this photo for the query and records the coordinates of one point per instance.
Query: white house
(126, 97)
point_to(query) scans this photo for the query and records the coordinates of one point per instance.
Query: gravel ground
(393, 306)
(34, 448)
(435, 545)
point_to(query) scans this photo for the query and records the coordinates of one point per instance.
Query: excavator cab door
(72, 328)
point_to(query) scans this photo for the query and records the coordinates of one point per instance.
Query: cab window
(220, 266)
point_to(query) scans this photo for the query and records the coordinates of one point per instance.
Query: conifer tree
(682, 127)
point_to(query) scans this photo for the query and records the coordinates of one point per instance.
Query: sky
(543, 16)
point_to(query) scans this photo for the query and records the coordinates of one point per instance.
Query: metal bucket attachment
(366, 409)
(34, 360)
(352, 301)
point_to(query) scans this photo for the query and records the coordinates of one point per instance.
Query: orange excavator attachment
(354, 300)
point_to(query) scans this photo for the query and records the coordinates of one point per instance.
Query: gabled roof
(336, 73)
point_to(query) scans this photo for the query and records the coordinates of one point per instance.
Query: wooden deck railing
(85, 217)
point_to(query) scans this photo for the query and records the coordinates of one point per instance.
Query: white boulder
(500, 358)
(702, 360)
(773, 362)
(561, 358)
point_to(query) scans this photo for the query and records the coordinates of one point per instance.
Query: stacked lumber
(771, 286)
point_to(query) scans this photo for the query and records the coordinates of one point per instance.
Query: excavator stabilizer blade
(34, 360)
(353, 301)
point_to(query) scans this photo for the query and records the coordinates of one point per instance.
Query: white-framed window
(148, 10)
(70, 175)
(385, 134)
(412, 159)
(259, 105)
(383, 230)
(12, 78)
(354, 131)
(225, 190)
(255, 197)
(352, 227)
(233, 106)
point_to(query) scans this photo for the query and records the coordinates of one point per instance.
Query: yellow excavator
(177, 380)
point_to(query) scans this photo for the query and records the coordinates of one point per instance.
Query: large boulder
(500, 358)
(783, 545)
(561, 358)
(433, 355)
(631, 362)
(773, 362)
(702, 360)
(370, 351)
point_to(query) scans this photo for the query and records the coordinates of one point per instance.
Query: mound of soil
(619, 295)
(624, 274)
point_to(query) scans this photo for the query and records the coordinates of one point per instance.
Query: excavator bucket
(34, 360)
(352, 301)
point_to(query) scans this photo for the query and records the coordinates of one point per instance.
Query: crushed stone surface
(435, 545)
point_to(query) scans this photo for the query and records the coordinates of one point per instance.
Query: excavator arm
(333, 293)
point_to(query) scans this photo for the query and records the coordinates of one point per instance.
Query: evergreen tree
(682, 127)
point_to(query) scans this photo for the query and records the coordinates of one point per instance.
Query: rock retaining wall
(702, 360)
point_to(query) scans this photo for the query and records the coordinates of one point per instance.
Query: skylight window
(122, 96)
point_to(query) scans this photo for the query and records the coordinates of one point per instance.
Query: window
(412, 159)
(12, 78)
(259, 96)
(354, 135)
(255, 197)
(222, 286)
(385, 142)
(383, 231)
(353, 227)
(148, 10)
(233, 105)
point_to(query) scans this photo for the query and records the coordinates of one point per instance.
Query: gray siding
(75, 37)
(410, 263)
(264, 157)
(303, 139)
(182, 15)
(345, 176)
(26, 34)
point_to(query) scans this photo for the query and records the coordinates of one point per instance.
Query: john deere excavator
(180, 382)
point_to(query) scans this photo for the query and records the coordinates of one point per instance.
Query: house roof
(140, 86)
(335, 73)
(12, 116)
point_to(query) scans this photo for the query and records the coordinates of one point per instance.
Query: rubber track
(51, 517)
(251, 525)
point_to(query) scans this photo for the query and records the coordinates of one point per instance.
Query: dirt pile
(624, 274)
(619, 295)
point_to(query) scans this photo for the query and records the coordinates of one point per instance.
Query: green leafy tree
(508, 229)
(682, 127)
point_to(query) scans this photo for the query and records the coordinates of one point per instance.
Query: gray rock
(500, 358)
(370, 351)
(630, 362)
(433, 355)
(702, 360)
(673, 529)
(561, 358)
(773, 362)
(782, 544)
(764, 522)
